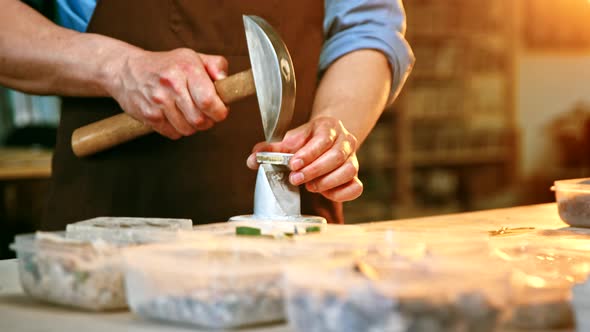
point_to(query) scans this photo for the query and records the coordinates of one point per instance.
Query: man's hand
(173, 91)
(324, 158)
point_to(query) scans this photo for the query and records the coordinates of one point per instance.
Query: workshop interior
(474, 214)
(497, 107)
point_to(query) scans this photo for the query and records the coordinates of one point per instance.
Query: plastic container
(409, 245)
(541, 302)
(581, 304)
(278, 229)
(573, 201)
(404, 297)
(70, 272)
(541, 285)
(123, 230)
(213, 284)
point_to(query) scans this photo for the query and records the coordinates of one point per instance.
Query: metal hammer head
(274, 76)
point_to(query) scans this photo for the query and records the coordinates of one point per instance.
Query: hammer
(271, 77)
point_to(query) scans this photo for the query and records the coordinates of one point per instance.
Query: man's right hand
(173, 91)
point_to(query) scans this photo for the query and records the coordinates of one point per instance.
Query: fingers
(315, 148)
(296, 138)
(178, 121)
(192, 114)
(262, 147)
(163, 101)
(326, 162)
(346, 192)
(205, 96)
(342, 175)
(172, 91)
(210, 103)
(151, 116)
(324, 159)
(158, 121)
(164, 128)
(216, 65)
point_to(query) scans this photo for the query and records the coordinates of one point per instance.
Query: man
(157, 61)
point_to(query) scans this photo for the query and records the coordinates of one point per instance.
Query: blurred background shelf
(27, 137)
(451, 141)
(496, 109)
(23, 163)
(465, 157)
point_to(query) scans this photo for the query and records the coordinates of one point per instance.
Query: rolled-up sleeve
(351, 25)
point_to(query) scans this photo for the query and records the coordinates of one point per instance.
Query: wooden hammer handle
(105, 134)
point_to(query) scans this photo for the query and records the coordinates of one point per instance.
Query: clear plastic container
(70, 272)
(214, 284)
(542, 280)
(573, 201)
(581, 304)
(405, 244)
(401, 296)
(278, 229)
(123, 230)
(541, 302)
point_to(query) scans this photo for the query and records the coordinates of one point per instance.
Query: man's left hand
(324, 158)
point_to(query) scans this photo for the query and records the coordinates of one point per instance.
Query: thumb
(261, 147)
(216, 66)
(296, 138)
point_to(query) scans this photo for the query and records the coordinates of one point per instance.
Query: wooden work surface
(19, 313)
(543, 216)
(17, 164)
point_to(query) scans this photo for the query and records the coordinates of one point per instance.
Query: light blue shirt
(349, 25)
(75, 14)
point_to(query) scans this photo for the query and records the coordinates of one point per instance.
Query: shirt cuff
(388, 41)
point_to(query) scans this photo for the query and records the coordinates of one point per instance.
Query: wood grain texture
(236, 87)
(110, 132)
(24, 164)
(107, 133)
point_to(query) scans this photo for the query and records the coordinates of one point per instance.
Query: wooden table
(19, 313)
(24, 183)
(16, 164)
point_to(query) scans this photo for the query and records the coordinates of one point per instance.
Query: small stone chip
(274, 158)
(312, 229)
(244, 230)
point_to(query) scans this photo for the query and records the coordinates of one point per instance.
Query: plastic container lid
(408, 244)
(278, 229)
(125, 230)
(576, 185)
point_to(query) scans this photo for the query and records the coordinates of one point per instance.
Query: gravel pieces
(71, 273)
(220, 307)
(367, 309)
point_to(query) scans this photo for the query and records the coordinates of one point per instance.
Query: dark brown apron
(203, 177)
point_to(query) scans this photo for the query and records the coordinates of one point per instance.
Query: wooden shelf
(445, 158)
(435, 77)
(438, 116)
(448, 77)
(436, 36)
(464, 157)
(16, 164)
(447, 35)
